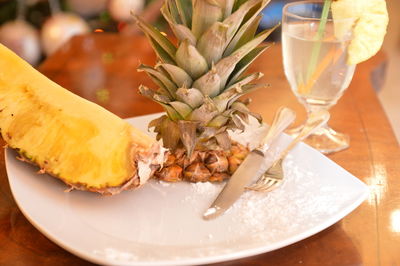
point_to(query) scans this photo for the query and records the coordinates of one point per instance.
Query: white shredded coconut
(252, 134)
(144, 165)
(273, 212)
(202, 189)
(144, 171)
(164, 184)
(288, 209)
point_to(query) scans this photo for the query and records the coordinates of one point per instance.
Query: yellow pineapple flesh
(65, 135)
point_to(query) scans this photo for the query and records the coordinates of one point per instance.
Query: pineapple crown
(201, 78)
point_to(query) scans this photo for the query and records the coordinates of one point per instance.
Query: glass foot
(325, 139)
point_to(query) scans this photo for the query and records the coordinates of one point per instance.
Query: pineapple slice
(369, 29)
(65, 135)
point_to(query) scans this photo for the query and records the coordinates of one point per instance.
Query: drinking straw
(318, 39)
(331, 57)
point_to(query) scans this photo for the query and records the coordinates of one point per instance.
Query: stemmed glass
(314, 55)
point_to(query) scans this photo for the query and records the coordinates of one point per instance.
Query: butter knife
(250, 167)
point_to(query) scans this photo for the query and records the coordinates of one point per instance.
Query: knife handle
(282, 119)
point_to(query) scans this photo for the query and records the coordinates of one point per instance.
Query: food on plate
(368, 20)
(200, 81)
(67, 136)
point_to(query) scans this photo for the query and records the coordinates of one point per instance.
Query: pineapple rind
(67, 136)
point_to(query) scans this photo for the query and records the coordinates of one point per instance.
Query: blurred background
(35, 29)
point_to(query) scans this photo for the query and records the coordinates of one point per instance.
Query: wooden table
(102, 68)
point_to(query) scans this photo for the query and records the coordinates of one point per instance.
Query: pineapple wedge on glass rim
(367, 20)
(69, 137)
(200, 81)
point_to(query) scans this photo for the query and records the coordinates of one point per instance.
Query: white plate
(161, 224)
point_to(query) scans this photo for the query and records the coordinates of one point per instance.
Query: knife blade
(250, 168)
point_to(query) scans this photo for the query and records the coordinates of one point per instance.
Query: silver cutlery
(273, 177)
(250, 167)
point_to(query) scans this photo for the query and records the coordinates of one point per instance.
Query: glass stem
(316, 107)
